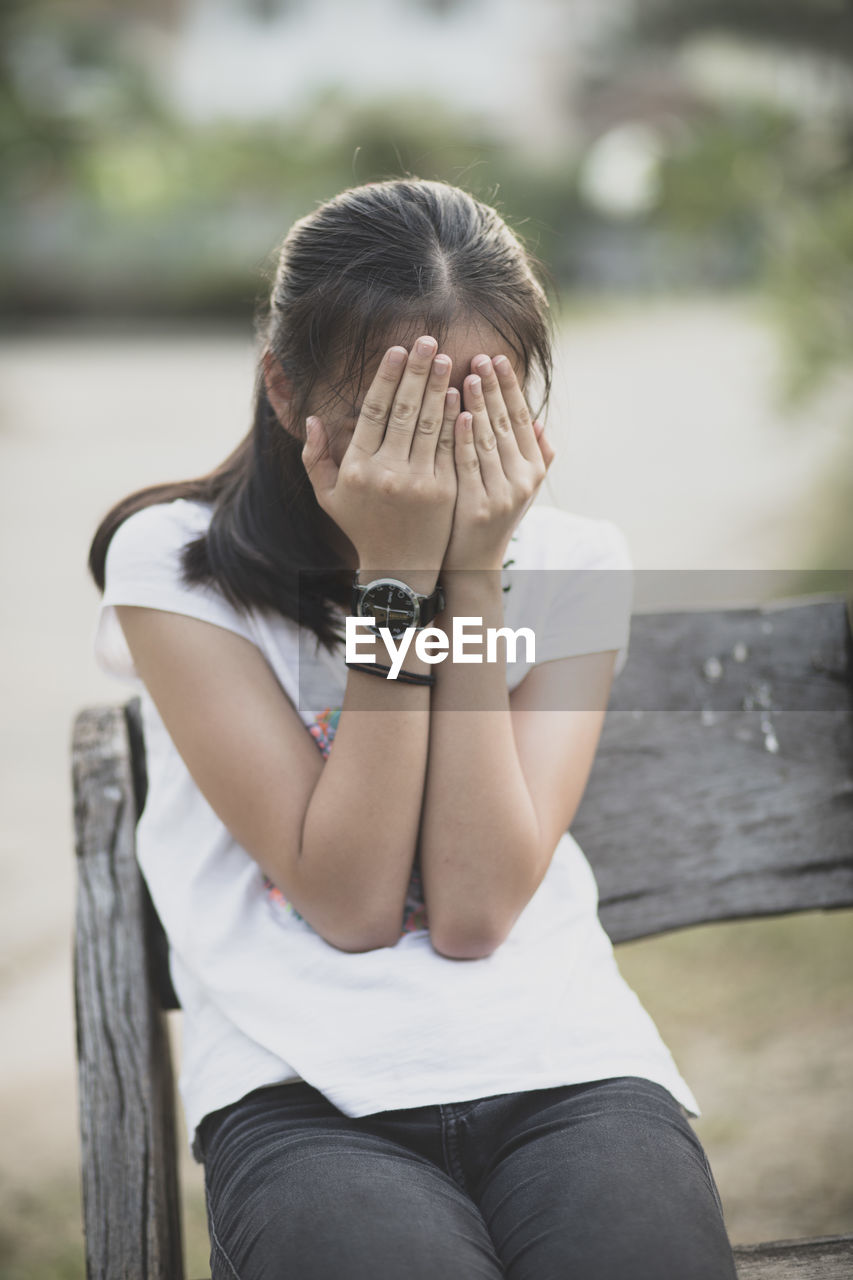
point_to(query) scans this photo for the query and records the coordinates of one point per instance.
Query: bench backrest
(723, 784)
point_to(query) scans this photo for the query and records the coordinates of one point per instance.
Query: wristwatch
(394, 604)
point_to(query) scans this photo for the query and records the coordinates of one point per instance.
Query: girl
(407, 1048)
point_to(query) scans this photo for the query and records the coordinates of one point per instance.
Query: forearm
(360, 830)
(479, 844)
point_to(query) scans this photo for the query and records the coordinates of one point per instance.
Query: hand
(394, 490)
(501, 458)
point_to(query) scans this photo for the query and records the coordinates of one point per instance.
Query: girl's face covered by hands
(411, 480)
(465, 341)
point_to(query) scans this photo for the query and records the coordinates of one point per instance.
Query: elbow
(357, 945)
(353, 921)
(361, 936)
(351, 926)
(467, 940)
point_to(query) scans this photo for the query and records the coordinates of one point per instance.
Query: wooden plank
(157, 944)
(792, 655)
(126, 1093)
(721, 805)
(823, 1258)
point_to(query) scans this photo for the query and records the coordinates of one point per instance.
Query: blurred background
(684, 169)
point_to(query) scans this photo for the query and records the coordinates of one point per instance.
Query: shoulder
(152, 538)
(144, 562)
(572, 609)
(549, 537)
(144, 568)
(162, 524)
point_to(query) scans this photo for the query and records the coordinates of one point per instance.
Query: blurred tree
(823, 27)
(789, 177)
(142, 211)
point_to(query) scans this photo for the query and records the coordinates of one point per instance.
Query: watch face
(391, 605)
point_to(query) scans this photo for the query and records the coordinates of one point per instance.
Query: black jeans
(599, 1181)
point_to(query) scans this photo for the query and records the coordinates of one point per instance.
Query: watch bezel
(363, 590)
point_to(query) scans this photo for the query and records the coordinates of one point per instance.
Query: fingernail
(425, 346)
(441, 364)
(482, 363)
(501, 363)
(396, 356)
(476, 385)
(310, 424)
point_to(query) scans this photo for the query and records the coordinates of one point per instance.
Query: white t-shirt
(265, 999)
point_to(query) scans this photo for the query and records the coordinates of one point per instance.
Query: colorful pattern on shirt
(324, 727)
(414, 912)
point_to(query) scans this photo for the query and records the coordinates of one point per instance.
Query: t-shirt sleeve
(590, 596)
(143, 568)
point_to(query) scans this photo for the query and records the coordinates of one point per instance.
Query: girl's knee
(608, 1183)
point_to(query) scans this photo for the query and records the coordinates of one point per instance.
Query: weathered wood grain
(823, 1258)
(125, 1082)
(723, 806)
(791, 655)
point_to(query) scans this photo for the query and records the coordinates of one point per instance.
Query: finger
(519, 411)
(485, 440)
(431, 417)
(512, 460)
(318, 462)
(545, 447)
(406, 406)
(444, 453)
(370, 427)
(467, 461)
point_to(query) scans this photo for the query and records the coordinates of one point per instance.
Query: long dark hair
(377, 265)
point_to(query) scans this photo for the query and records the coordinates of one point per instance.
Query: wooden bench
(722, 789)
